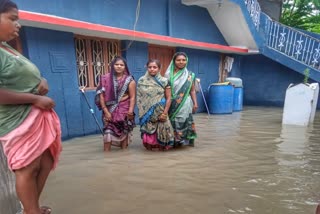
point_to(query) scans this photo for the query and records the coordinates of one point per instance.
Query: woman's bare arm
(194, 98)
(43, 87)
(167, 94)
(8, 97)
(107, 114)
(103, 103)
(132, 95)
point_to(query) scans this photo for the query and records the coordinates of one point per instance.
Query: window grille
(93, 58)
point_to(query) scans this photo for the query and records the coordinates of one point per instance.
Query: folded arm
(8, 97)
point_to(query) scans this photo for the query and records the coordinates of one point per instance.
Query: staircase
(290, 47)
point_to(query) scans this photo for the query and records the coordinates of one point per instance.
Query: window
(93, 58)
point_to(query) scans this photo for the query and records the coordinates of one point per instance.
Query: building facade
(73, 42)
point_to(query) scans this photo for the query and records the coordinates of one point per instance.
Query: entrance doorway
(162, 53)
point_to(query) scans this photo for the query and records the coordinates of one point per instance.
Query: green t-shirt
(17, 74)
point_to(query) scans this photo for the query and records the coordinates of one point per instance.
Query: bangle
(130, 113)
(163, 114)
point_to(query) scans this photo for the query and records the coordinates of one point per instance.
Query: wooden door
(162, 53)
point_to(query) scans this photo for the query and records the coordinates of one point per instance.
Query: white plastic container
(236, 82)
(300, 104)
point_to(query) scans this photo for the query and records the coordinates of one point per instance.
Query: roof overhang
(45, 21)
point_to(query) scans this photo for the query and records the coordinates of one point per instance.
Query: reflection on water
(246, 162)
(294, 139)
(295, 170)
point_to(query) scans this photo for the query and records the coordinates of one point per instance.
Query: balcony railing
(293, 43)
(254, 11)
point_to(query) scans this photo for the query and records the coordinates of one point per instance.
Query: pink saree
(37, 133)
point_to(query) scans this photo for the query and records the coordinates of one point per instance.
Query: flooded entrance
(242, 163)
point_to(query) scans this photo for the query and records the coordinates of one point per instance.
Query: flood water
(246, 162)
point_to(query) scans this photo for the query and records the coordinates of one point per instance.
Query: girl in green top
(30, 132)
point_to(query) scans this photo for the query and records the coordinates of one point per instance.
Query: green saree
(180, 112)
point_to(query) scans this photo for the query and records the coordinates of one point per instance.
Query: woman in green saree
(184, 101)
(153, 101)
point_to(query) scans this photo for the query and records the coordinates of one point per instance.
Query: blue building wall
(185, 25)
(164, 17)
(266, 81)
(54, 54)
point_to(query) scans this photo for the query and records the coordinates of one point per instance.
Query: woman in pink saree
(116, 98)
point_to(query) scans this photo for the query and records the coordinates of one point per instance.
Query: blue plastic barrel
(238, 99)
(221, 99)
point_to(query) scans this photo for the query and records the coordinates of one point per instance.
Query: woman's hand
(130, 116)
(194, 109)
(43, 87)
(44, 102)
(163, 117)
(107, 115)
